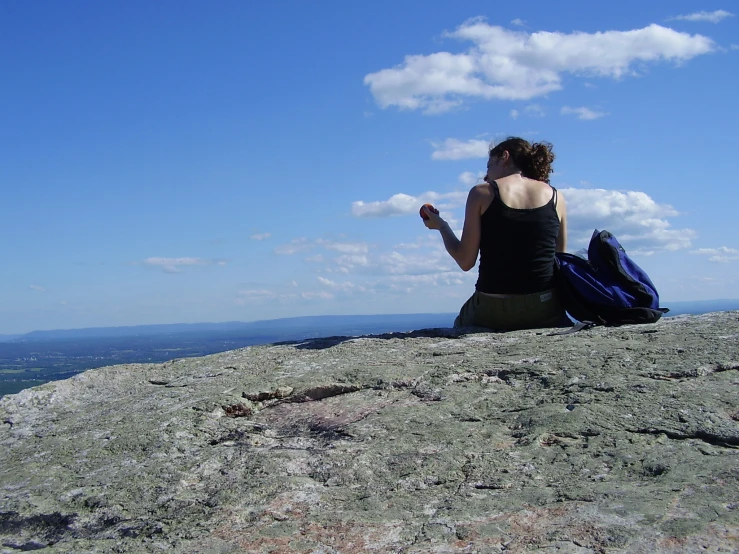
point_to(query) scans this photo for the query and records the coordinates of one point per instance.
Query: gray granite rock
(608, 440)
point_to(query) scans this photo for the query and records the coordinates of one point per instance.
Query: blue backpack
(606, 289)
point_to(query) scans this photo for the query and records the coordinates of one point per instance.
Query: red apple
(430, 208)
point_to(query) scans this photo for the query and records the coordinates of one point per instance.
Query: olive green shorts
(520, 311)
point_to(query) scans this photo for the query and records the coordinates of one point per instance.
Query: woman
(516, 221)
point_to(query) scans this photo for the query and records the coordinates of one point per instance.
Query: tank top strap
(554, 196)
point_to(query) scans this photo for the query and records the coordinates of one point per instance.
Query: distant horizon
(235, 321)
(682, 303)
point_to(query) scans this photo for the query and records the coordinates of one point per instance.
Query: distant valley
(40, 356)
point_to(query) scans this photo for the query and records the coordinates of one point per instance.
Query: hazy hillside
(41, 356)
(340, 324)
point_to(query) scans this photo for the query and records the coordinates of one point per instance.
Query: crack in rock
(261, 396)
(709, 438)
(323, 391)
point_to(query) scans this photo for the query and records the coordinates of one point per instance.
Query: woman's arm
(561, 244)
(464, 250)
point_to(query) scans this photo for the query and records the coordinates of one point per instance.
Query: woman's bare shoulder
(483, 190)
(539, 184)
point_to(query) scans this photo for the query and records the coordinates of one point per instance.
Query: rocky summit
(447, 441)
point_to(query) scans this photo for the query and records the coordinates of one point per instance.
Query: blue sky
(187, 161)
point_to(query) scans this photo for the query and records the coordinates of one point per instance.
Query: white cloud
(430, 262)
(350, 261)
(317, 259)
(723, 259)
(514, 114)
(345, 247)
(427, 266)
(37, 288)
(515, 65)
(722, 254)
(402, 269)
(302, 244)
(351, 254)
(261, 236)
(447, 278)
(252, 294)
(453, 149)
(294, 246)
(711, 251)
(425, 256)
(534, 110)
(408, 245)
(346, 286)
(258, 295)
(317, 295)
(710, 17)
(176, 265)
(518, 22)
(469, 178)
(582, 112)
(327, 282)
(401, 204)
(638, 222)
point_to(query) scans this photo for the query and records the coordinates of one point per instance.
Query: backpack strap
(581, 326)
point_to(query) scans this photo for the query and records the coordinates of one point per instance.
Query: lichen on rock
(608, 440)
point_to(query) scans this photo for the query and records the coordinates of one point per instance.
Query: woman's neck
(512, 175)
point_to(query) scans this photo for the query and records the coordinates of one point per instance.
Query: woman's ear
(505, 157)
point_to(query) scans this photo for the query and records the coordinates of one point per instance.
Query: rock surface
(608, 440)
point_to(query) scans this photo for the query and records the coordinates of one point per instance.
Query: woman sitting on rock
(516, 220)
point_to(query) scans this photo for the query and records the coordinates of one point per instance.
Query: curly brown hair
(534, 160)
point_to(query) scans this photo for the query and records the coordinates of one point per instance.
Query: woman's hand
(432, 220)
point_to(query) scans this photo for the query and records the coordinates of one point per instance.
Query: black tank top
(517, 247)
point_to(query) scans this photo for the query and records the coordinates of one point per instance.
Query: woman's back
(519, 230)
(521, 193)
